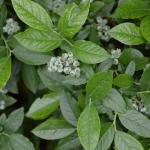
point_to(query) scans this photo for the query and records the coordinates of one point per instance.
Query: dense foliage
(74, 75)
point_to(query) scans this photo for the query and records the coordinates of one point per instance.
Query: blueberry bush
(74, 75)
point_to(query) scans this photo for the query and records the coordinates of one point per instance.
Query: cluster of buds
(116, 55)
(66, 64)
(2, 104)
(139, 106)
(11, 26)
(103, 28)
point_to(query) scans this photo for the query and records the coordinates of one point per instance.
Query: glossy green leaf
(53, 129)
(43, 107)
(127, 33)
(144, 27)
(5, 70)
(30, 78)
(32, 14)
(30, 57)
(73, 19)
(89, 52)
(115, 101)
(124, 141)
(39, 41)
(131, 9)
(88, 128)
(123, 80)
(136, 122)
(99, 85)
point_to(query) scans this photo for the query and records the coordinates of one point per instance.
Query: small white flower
(11, 26)
(76, 63)
(116, 53)
(2, 105)
(67, 70)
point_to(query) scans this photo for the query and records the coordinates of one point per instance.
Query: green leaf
(8, 99)
(73, 19)
(53, 129)
(106, 140)
(43, 107)
(19, 142)
(127, 33)
(69, 109)
(74, 81)
(30, 57)
(39, 41)
(5, 70)
(14, 121)
(131, 54)
(68, 143)
(131, 9)
(4, 143)
(144, 28)
(52, 80)
(130, 70)
(30, 78)
(124, 141)
(115, 101)
(88, 128)
(32, 14)
(89, 52)
(136, 122)
(144, 81)
(99, 85)
(123, 80)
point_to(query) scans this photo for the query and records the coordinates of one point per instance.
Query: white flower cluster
(116, 55)
(66, 64)
(2, 105)
(103, 28)
(11, 26)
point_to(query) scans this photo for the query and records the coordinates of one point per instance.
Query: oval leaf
(124, 141)
(136, 122)
(127, 33)
(53, 129)
(88, 128)
(42, 108)
(69, 109)
(32, 14)
(73, 19)
(39, 41)
(89, 52)
(30, 57)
